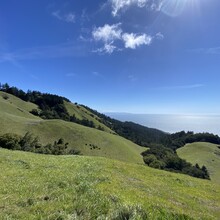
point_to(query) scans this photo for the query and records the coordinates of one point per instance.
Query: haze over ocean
(173, 123)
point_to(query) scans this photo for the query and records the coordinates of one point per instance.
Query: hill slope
(82, 113)
(204, 154)
(34, 186)
(15, 118)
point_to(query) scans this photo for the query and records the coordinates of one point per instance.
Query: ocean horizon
(172, 123)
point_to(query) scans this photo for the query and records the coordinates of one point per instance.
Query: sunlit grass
(36, 186)
(204, 154)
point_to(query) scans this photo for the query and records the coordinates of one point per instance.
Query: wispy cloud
(69, 17)
(107, 33)
(107, 48)
(84, 17)
(191, 86)
(123, 5)
(211, 50)
(46, 52)
(132, 78)
(133, 40)
(159, 36)
(118, 5)
(97, 74)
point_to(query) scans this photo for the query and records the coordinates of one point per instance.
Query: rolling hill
(15, 118)
(34, 186)
(113, 185)
(203, 153)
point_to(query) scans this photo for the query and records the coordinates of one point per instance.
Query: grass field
(36, 186)
(15, 118)
(204, 154)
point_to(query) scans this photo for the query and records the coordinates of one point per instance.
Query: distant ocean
(173, 123)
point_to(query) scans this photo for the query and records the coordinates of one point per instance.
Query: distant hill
(203, 153)
(34, 186)
(137, 133)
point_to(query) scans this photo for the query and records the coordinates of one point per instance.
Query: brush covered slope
(15, 117)
(203, 153)
(35, 186)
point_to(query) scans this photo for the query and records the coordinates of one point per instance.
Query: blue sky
(137, 56)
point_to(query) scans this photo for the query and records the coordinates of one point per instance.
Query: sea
(173, 123)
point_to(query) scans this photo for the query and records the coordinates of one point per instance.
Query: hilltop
(203, 153)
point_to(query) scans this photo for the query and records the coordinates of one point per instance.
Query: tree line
(179, 139)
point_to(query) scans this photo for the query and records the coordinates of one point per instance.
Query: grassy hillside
(15, 118)
(15, 107)
(81, 113)
(34, 186)
(204, 154)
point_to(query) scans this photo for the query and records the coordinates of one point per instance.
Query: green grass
(14, 106)
(204, 154)
(15, 118)
(36, 186)
(81, 113)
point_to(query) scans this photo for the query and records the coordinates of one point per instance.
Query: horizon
(136, 56)
(173, 123)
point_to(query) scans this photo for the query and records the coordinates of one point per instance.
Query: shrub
(34, 112)
(10, 141)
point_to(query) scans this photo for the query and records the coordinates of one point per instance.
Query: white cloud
(69, 18)
(132, 40)
(107, 33)
(117, 5)
(112, 34)
(107, 48)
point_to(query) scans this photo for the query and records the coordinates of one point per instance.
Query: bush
(157, 164)
(148, 159)
(34, 112)
(10, 141)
